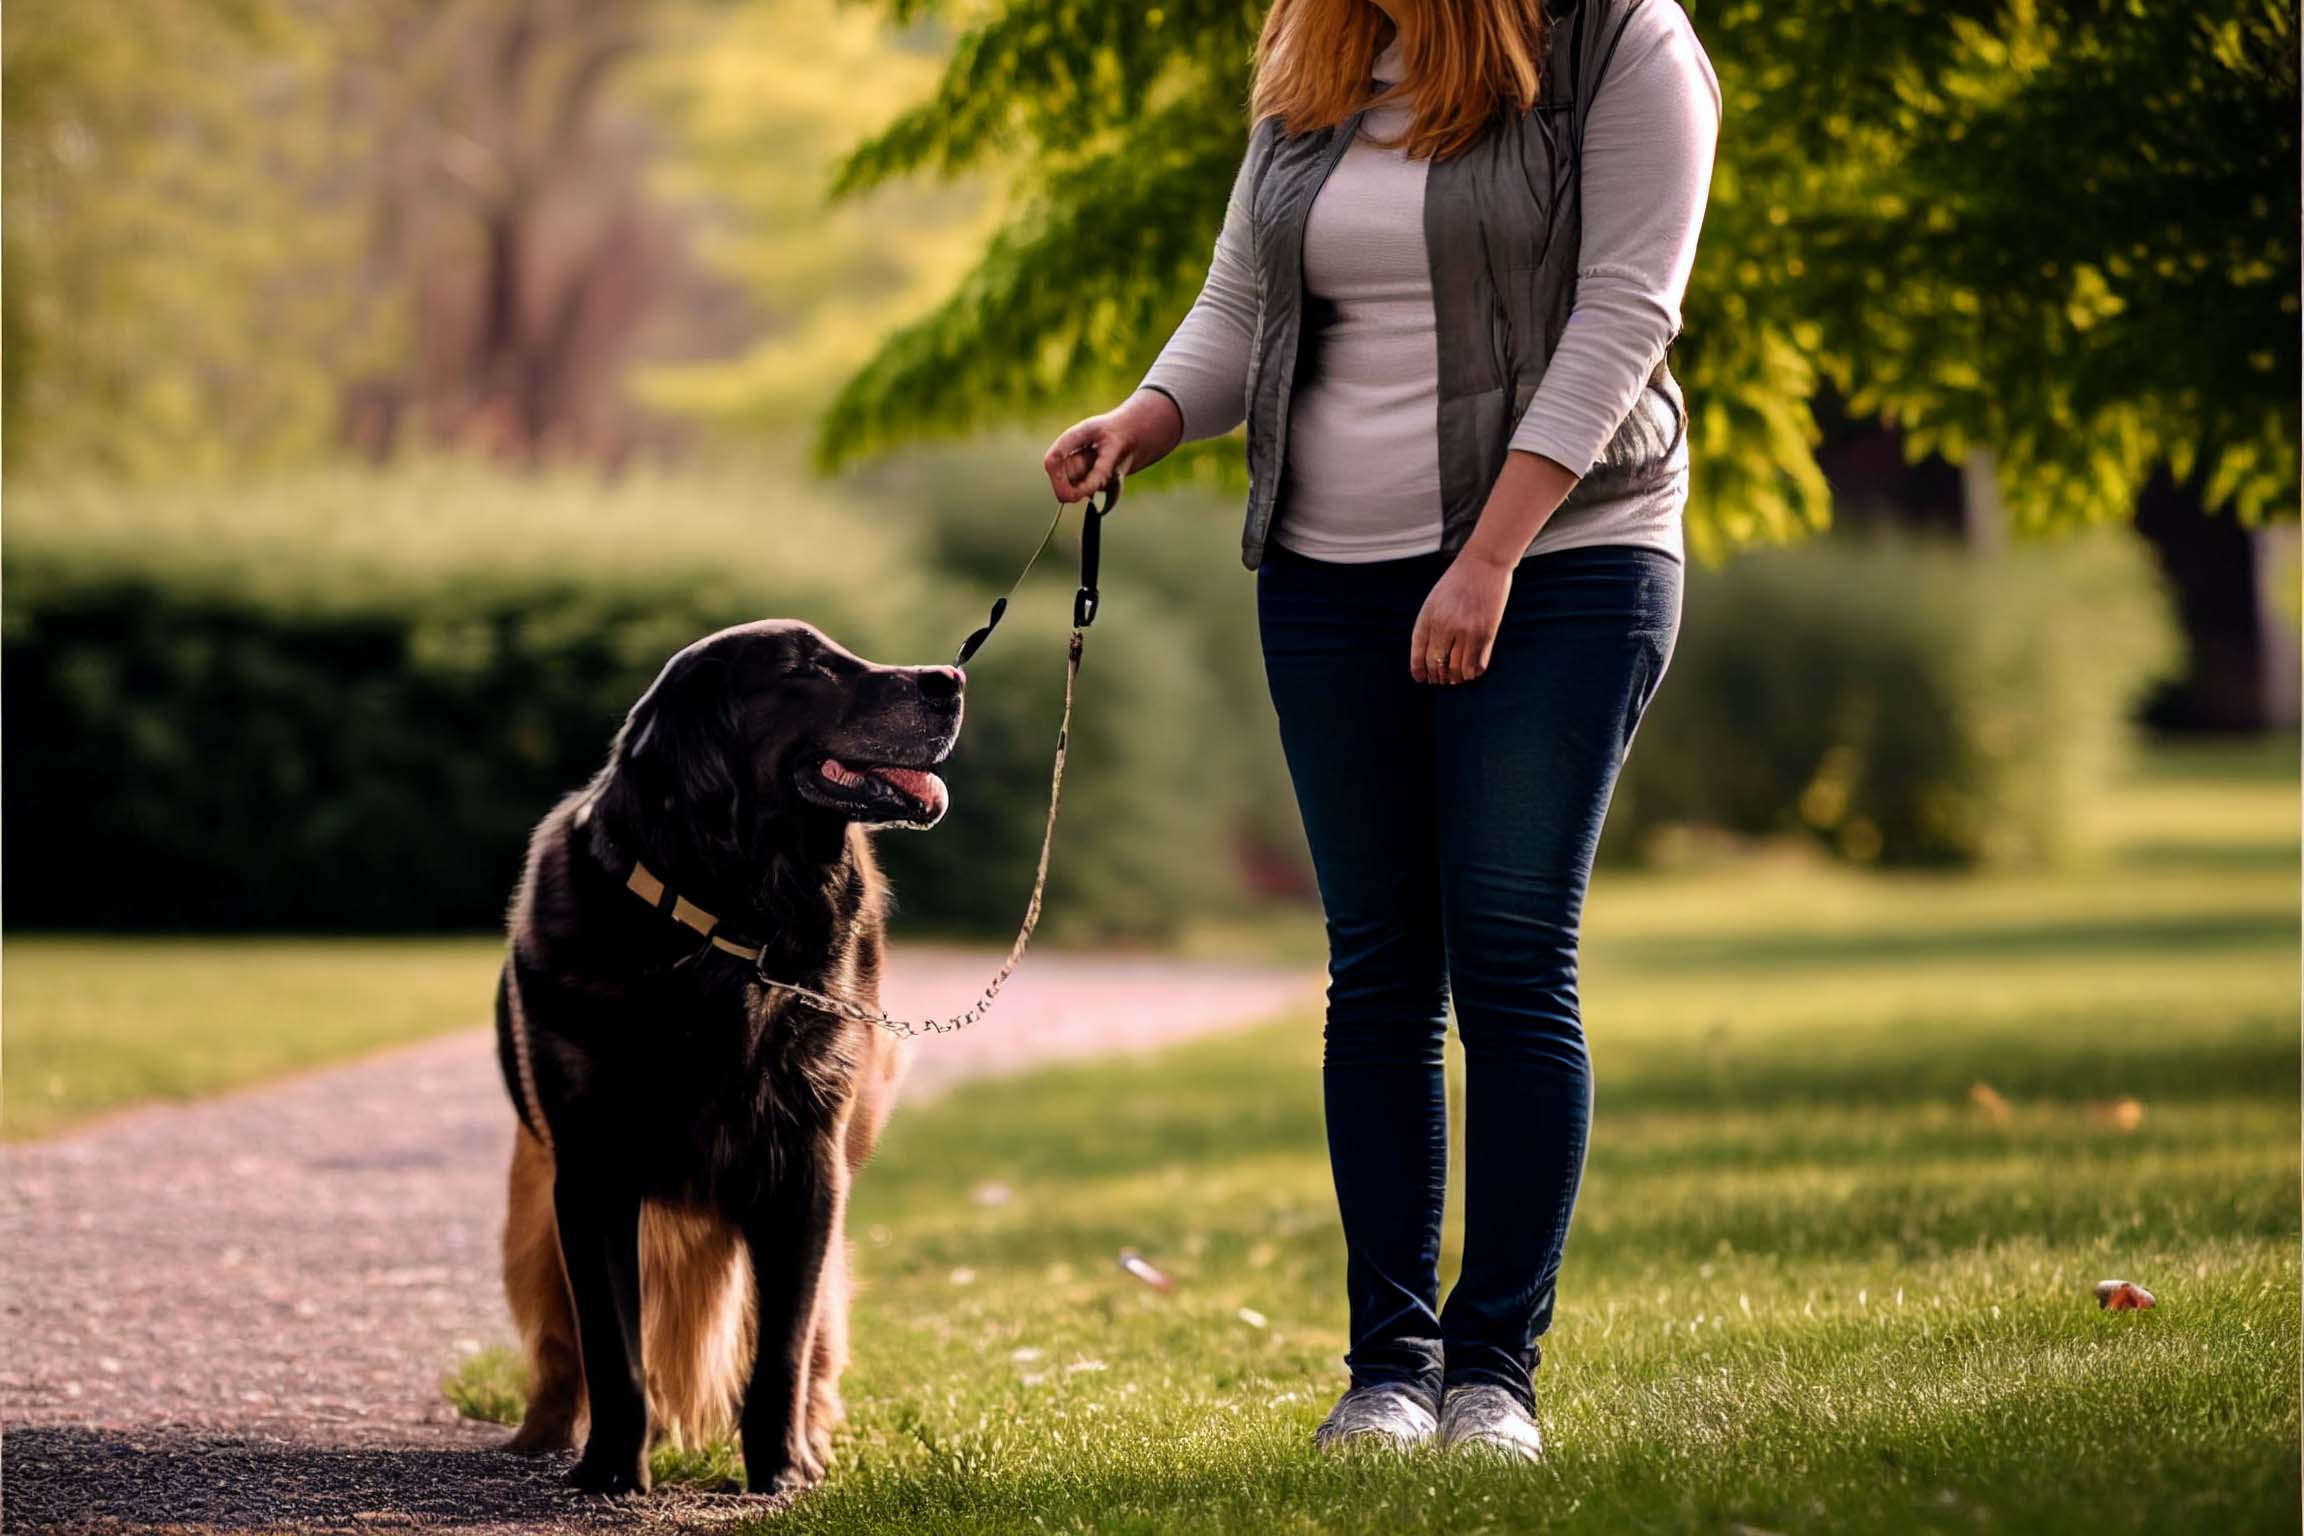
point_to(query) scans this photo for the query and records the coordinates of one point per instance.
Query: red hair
(1467, 63)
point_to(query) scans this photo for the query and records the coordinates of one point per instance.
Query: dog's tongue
(920, 785)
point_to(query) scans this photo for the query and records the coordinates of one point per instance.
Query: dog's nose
(940, 683)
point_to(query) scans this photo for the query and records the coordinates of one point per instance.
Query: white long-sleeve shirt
(1363, 447)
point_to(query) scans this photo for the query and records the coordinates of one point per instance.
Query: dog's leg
(599, 1218)
(537, 1288)
(789, 1236)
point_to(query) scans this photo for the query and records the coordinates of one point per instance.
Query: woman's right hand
(1140, 432)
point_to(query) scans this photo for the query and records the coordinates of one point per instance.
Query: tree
(240, 233)
(158, 154)
(246, 232)
(2063, 230)
(759, 101)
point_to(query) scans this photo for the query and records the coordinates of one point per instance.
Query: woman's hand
(1456, 630)
(1141, 432)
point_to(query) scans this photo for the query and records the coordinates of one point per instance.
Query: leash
(644, 883)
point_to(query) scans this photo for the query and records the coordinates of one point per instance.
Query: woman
(1441, 300)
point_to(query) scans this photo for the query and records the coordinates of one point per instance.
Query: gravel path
(233, 1316)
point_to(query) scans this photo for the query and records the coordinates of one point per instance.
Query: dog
(674, 1252)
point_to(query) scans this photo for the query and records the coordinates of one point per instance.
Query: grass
(1864, 1146)
(96, 1024)
(490, 1384)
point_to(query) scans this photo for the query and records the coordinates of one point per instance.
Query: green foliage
(752, 134)
(341, 703)
(161, 238)
(1900, 702)
(2064, 230)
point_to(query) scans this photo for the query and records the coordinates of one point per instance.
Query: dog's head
(772, 718)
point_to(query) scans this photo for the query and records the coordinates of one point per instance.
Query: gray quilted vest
(1503, 225)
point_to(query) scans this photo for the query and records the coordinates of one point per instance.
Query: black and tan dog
(674, 1253)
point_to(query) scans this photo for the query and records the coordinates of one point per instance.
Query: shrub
(1901, 702)
(342, 703)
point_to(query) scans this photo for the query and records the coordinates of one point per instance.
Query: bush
(342, 703)
(1900, 702)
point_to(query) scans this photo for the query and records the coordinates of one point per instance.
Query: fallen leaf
(1135, 1264)
(2118, 1114)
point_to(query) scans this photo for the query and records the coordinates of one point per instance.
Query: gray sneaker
(1387, 1416)
(1489, 1419)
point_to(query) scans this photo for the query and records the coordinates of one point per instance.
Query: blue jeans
(1452, 831)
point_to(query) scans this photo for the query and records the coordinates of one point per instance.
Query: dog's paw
(788, 1481)
(612, 1477)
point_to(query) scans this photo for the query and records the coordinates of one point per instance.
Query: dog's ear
(680, 739)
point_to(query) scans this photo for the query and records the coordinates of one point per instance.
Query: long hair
(1470, 61)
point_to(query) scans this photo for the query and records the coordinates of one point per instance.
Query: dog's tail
(696, 1316)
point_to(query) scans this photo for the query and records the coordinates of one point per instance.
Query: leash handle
(1086, 601)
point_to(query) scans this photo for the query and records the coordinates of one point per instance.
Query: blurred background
(391, 387)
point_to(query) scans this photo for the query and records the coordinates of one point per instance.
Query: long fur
(696, 1304)
(709, 1091)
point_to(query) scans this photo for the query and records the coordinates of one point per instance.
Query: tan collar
(643, 883)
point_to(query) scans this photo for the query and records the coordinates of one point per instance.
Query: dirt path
(235, 1315)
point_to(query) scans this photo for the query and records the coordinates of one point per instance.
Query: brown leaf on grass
(2123, 1296)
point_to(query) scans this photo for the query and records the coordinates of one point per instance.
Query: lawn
(1864, 1147)
(95, 1024)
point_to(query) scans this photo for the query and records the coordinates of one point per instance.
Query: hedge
(341, 704)
(1900, 702)
(212, 727)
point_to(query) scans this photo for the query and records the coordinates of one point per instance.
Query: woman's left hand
(1456, 630)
